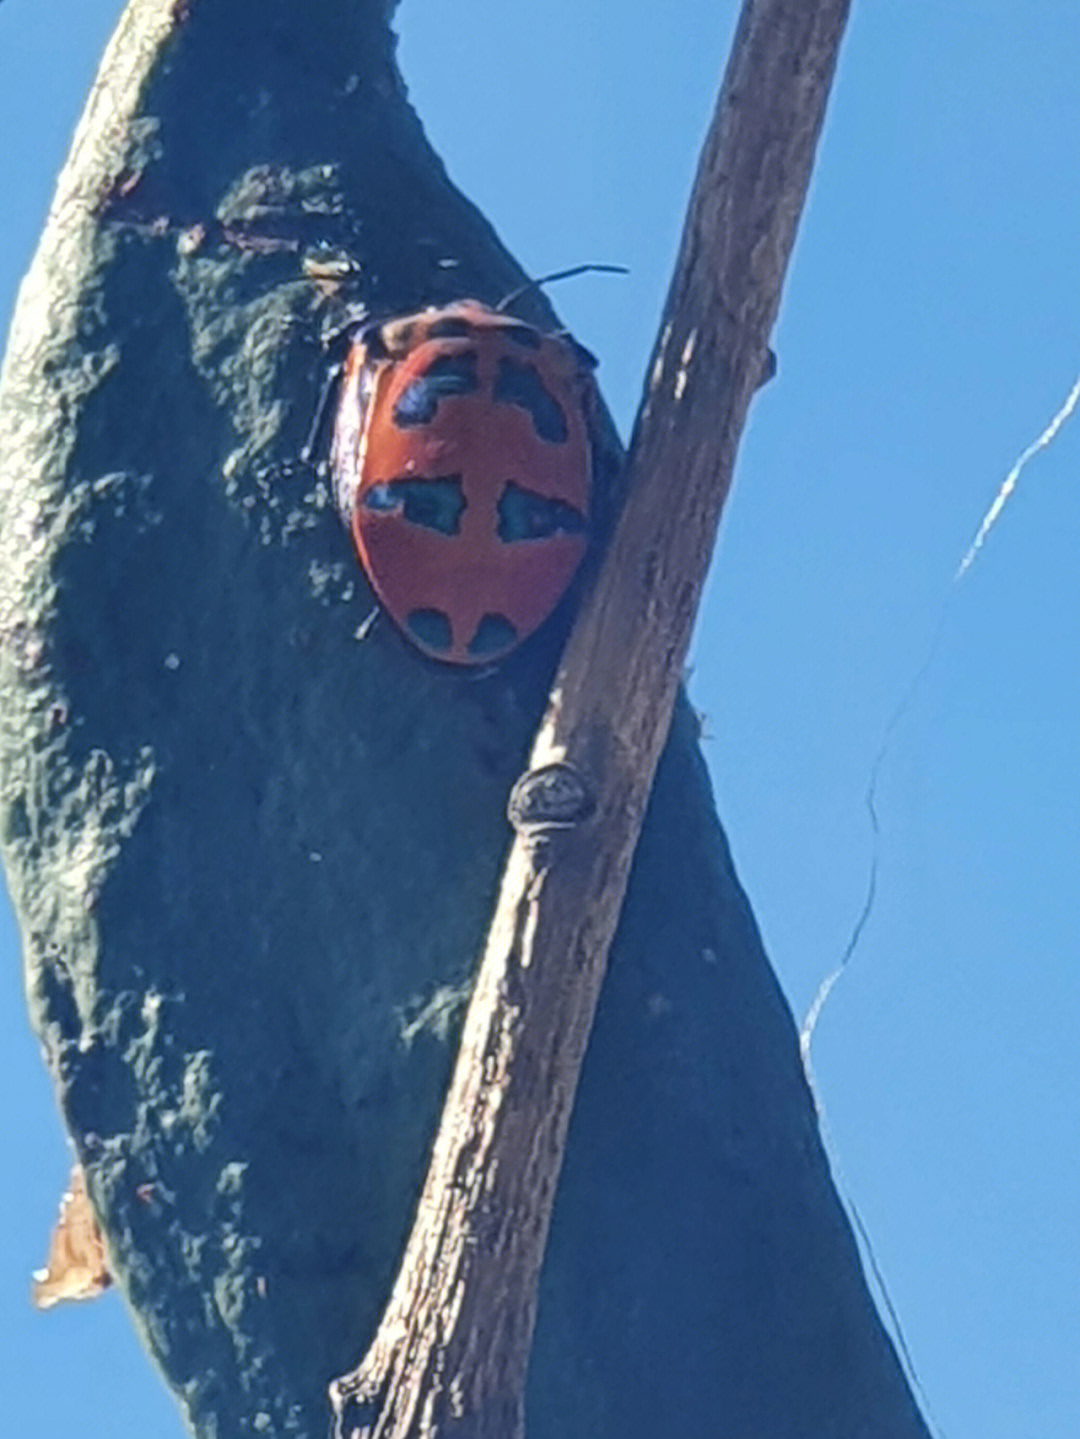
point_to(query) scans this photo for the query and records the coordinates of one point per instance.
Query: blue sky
(930, 328)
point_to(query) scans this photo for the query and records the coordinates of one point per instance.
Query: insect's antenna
(559, 275)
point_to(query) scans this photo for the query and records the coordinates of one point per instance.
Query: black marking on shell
(493, 634)
(436, 502)
(450, 327)
(522, 335)
(446, 376)
(431, 628)
(521, 385)
(525, 515)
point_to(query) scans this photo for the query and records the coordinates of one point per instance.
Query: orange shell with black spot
(462, 463)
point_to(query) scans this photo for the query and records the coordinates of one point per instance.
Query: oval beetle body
(462, 465)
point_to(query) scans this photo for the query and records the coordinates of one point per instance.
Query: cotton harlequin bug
(462, 465)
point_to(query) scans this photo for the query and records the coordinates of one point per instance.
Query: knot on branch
(552, 796)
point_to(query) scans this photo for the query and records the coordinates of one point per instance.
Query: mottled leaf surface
(253, 843)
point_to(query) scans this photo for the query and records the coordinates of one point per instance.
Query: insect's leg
(322, 407)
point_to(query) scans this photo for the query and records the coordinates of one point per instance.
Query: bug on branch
(462, 465)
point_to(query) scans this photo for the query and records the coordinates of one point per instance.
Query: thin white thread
(813, 1014)
(825, 988)
(990, 518)
(907, 1361)
(806, 1033)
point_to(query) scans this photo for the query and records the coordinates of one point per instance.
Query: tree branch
(451, 1352)
(253, 849)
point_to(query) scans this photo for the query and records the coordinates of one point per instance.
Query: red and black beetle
(462, 460)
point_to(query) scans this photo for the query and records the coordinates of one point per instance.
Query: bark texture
(253, 848)
(452, 1348)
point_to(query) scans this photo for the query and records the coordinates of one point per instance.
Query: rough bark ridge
(253, 854)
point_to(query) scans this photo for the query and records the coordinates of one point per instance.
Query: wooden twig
(450, 1355)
